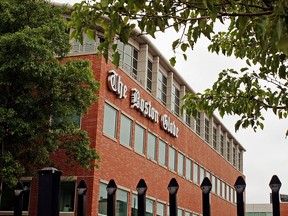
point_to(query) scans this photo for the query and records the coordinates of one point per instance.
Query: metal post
(173, 188)
(141, 188)
(206, 188)
(81, 207)
(111, 198)
(49, 192)
(275, 186)
(240, 186)
(18, 199)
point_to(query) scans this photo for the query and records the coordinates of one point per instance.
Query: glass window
(67, 196)
(151, 146)
(195, 173)
(180, 164)
(128, 58)
(149, 207)
(222, 145)
(188, 119)
(149, 76)
(134, 207)
(162, 153)
(110, 120)
(139, 139)
(176, 100)
(234, 156)
(201, 174)
(162, 87)
(160, 209)
(180, 212)
(188, 213)
(102, 202)
(214, 137)
(125, 130)
(198, 120)
(228, 150)
(188, 169)
(7, 198)
(218, 187)
(172, 157)
(227, 192)
(213, 182)
(239, 161)
(207, 129)
(121, 203)
(223, 189)
(231, 195)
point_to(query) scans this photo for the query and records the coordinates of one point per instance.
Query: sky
(266, 150)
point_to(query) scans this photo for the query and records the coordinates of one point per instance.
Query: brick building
(138, 130)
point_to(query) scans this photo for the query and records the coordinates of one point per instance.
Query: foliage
(36, 87)
(257, 32)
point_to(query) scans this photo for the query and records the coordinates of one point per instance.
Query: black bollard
(81, 207)
(240, 186)
(173, 188)
(275, 186)
(206, 188)
(141, 189)
(111, 198)
(49, 192)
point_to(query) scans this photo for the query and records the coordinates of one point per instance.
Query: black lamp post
(111, 198)
(18, 199)
(81, 191)
(206, 188)
(275, 186)
(141, 189)
(173, 188)
(240, 186)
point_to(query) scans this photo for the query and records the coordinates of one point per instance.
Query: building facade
(139, 132)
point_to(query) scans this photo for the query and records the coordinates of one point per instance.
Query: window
(222, 145)
(121, 203)
(162, 153)
(102, 201)
(208, 175)
(57, 122)
(188, 169)
(7, 198)
(160, 209)
(125, 130)
(180, 212)
(201, 174)
(88, 45)
(198, 120)
(149, 76)
(234, 156)
(213, 182)
(188, 213)
(206, 130)
(139, 139)
(239, 161)
(67, 196)
(134, 207)
(227, 192)
(149, 207)
(172, 159)
(175, 100)
(218, 187)
(128, 58)
(187, 119)
(180, 164)
(162, 88)
(214, 137)
(223, 189)
(151, 146)
(231, 194)
(195, 173)
(228, 151)
(110, 120)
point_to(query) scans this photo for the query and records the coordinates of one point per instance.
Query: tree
(39, 95)
(257, 31)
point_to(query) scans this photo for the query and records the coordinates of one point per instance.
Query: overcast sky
(266, 150)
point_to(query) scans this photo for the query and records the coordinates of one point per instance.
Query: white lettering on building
(169, 126)
(115, 84)
(143, 106)
(136, 102)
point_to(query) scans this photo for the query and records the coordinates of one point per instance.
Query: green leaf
(172, 61)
